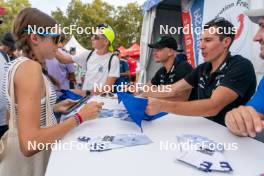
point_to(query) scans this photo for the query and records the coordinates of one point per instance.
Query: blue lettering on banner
(197, 20)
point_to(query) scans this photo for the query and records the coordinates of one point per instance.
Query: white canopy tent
(73, 43)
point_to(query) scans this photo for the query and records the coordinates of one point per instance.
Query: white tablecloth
(152, 159)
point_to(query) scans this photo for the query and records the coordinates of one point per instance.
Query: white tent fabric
(154, 18)
(146, 36)
(73, 43)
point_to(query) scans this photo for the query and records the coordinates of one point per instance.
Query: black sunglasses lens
(56, 39)
(96, 37)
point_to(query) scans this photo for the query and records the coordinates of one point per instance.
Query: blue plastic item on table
(136, 108)
(67, 94)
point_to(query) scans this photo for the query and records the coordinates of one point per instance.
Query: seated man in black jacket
(175, 65)
(222, 82)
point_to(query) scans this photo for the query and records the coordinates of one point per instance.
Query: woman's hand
(90, 110)
(64, 105)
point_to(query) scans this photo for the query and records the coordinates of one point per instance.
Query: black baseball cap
(8, 40)
(165, 42)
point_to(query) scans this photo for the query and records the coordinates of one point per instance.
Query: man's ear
(107, 42)
(171, 51)
(227, 42)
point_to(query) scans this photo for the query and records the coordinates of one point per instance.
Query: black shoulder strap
(89, 55)
(110, 61)
(5, 56)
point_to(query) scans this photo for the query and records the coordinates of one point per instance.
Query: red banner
(2, 11)
(188, 38)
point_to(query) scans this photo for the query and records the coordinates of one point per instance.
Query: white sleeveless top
(5, 92)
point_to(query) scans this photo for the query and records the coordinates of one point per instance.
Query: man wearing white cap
(248, 120)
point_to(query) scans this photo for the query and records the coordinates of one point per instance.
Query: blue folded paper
(67, 94)
(136, 106)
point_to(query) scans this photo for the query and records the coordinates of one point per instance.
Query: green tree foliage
(12, 7)
(126, 21)
(127, 24)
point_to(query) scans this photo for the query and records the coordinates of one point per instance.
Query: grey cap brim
(255, 14)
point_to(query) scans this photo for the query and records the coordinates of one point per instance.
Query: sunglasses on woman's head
(55, 37)
(107, 94)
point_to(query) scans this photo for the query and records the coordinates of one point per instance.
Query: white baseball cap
(255, 14)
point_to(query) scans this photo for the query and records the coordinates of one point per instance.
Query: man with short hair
(124, 70)
(174, 66)
(8, 45)
(248, 120)
(222, 82)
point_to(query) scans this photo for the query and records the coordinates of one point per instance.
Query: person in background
(124, 70)
(7, 48)
(248, 120)
(3, 110)
(8, 45)
(132, 63)
(63, 73)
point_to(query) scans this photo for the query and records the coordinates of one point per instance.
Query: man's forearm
(172, 90)
(64, 59)
(161, 91)
(184, 96)
(205, 108)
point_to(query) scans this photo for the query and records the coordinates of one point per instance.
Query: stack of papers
(116, 113)
(203, 153)
(108, 142)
